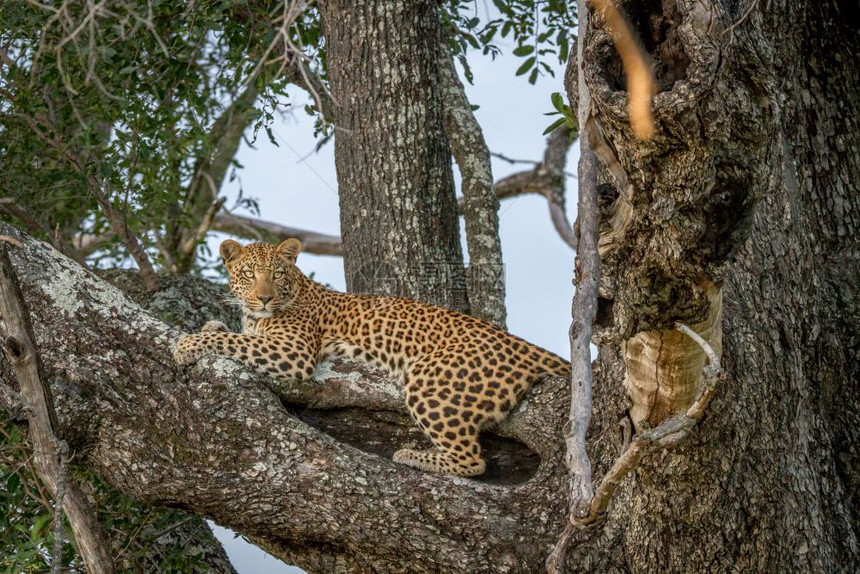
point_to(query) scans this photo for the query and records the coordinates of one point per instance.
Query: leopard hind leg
(452, 427)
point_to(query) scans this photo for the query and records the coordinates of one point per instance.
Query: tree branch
(480, 206)
(215, 439)
(117, 221)
(252, 228)
(49, 452)
(546, 179)
(583, 311)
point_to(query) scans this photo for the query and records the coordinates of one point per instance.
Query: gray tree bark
(397, 204)
(480, 205)
(748, 190)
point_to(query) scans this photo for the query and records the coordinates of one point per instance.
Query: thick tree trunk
(750, 185)
(397, 204)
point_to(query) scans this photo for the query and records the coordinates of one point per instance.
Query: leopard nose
(264, 298)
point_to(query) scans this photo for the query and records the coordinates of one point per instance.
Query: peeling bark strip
(404, 237)
(215, 440)
(640, 81)
(49, 453)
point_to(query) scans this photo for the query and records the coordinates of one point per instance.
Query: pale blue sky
(298, 188)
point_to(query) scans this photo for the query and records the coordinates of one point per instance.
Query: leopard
(461, 374)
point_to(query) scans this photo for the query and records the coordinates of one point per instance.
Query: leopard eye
(248, 274)
(278, 274)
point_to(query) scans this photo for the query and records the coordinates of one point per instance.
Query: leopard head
(263, 277)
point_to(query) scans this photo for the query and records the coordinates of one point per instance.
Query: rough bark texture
(480, 206)
(750, 185)
(397, 204)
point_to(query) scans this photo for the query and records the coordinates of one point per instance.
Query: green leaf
(557, 101)
(524, 50)
(552, 127)
(526, 66)
(39, 527)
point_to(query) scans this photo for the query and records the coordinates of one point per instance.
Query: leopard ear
(289, 249)
(230, 250)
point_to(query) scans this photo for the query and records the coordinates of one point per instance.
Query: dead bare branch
(583, 312)
(547, 178)
(49, 452)
(252, 228)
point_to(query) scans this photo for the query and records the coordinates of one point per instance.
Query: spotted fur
(460, 373)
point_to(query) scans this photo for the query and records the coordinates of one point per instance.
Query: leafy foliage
(541, 30)
(133, 106)
(26, 518)
(125, 101)
(567, 117)
(138, 534)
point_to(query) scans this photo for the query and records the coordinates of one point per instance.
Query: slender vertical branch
(584, 300)
(486, 274)
(584, 309)
(59, 501)
(48, 450)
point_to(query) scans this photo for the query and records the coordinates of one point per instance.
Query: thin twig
(713, 359)
(513, 161)
(203, 228)
(59, 500)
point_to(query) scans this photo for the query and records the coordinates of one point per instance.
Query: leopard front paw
(214, 327)
(188, 349)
